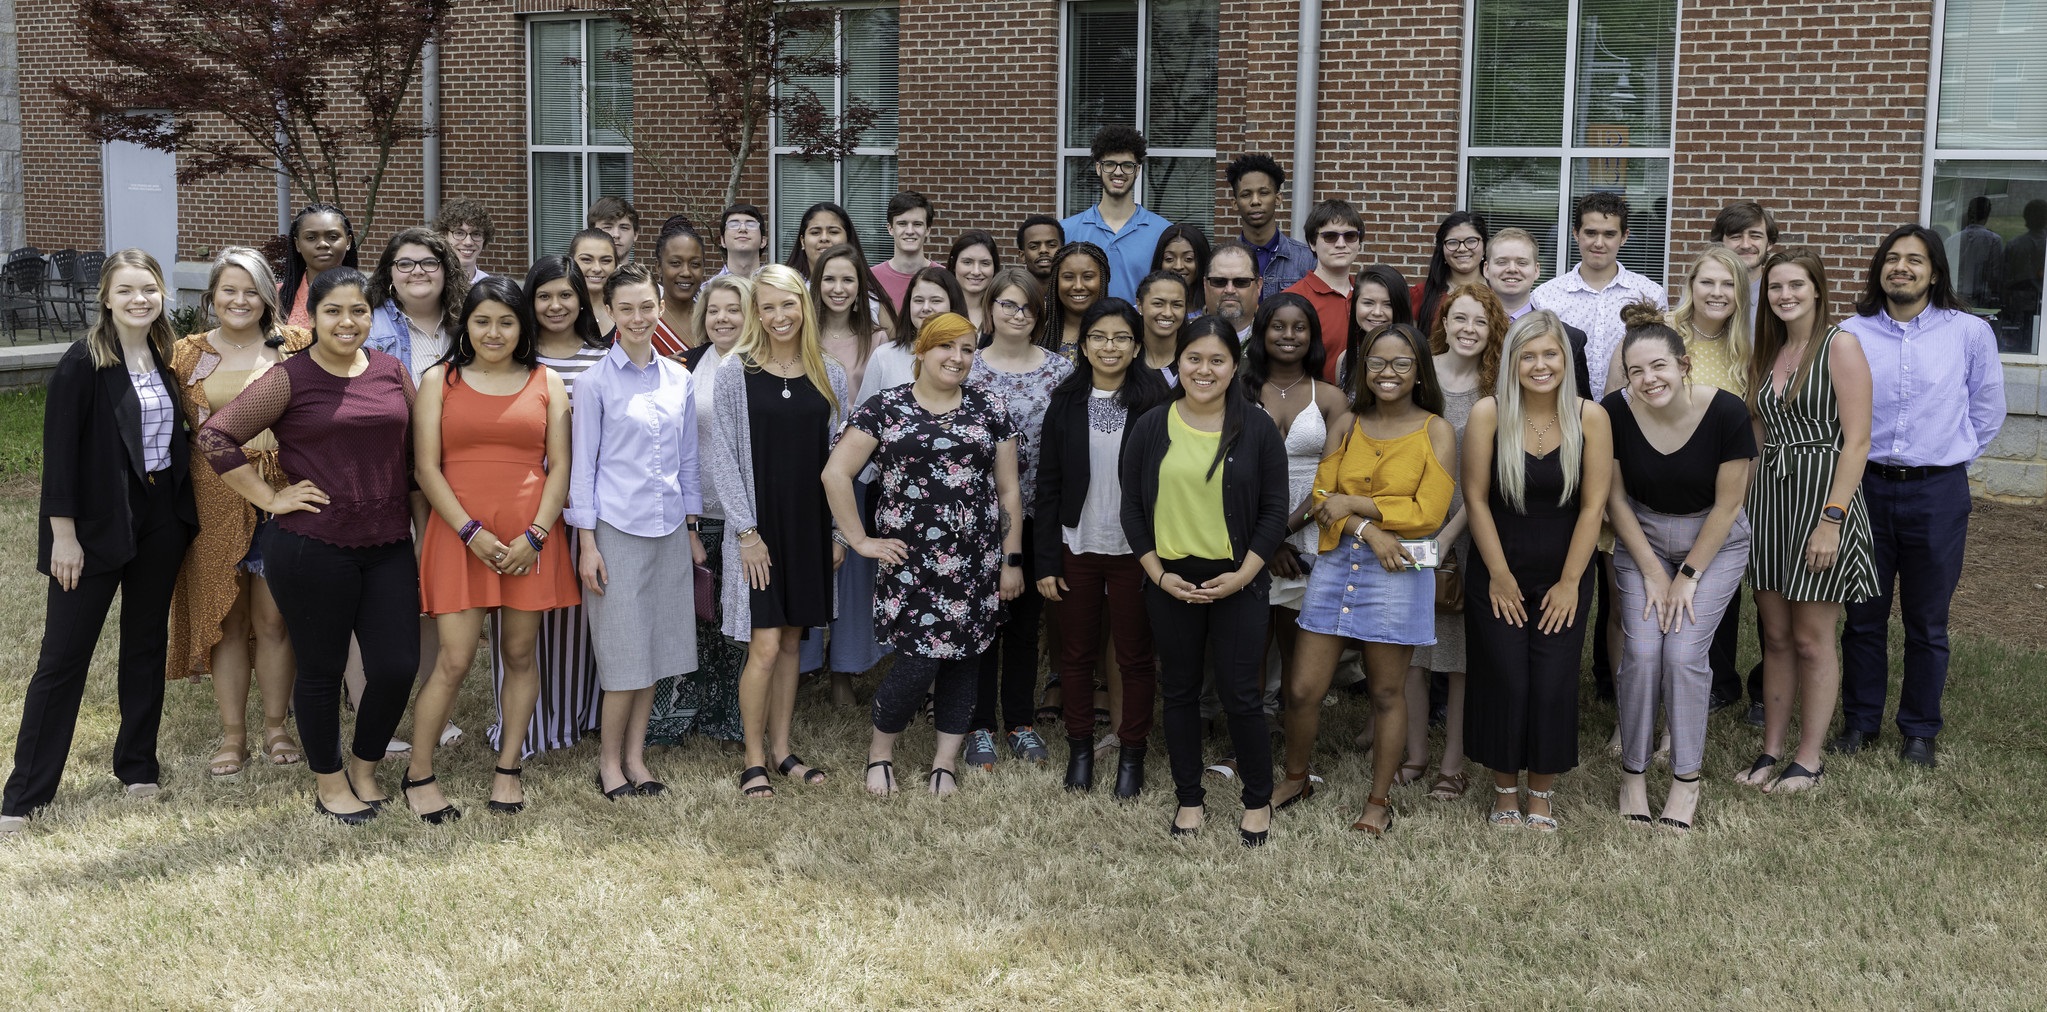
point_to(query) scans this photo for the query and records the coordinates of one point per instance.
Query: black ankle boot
(1130, 771)
(1080, 764)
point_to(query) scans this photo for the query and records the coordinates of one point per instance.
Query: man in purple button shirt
(1938, 401)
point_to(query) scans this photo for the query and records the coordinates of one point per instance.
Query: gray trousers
(1671, 671)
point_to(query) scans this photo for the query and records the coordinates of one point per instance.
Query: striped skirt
(567, 708)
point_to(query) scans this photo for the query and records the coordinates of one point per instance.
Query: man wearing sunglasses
(1117, 223)
(1234, 287)
(1335, 233)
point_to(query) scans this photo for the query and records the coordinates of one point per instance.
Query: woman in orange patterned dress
(222, 604)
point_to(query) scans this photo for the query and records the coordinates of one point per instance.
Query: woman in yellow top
(222, 603)
(1390, 480)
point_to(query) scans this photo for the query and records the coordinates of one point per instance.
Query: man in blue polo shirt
(1118, 224)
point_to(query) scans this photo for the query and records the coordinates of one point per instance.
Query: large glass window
(1987, 179)
(1565, 98)
(580, 99)
(1148, 64)
(863, 41)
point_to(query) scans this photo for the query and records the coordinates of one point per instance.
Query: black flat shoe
(508, 807)
(1173, 824)
(649, 788)
(1851, 741)
(1919, 751)
(1257, 839)
(345, 818)
(1129, 772)
(624, 790)
(1080, 765)
(435, 818)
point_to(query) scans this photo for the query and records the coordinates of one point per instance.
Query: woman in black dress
(1537, 462)
(778, 400)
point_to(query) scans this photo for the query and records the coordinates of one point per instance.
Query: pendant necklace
(785, 380)
(1297, 382)
(1542, 433)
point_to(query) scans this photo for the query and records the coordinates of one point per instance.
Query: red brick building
(1845, 119)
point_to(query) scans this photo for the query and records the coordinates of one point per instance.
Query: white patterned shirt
(1597, 312)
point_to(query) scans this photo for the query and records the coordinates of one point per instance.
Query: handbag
(706, 592)
(1449, 586)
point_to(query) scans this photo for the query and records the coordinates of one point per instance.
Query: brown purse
(1449, 585)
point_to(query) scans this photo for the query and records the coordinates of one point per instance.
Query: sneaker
(1755, 715)
(980, 750)
(1025, 744)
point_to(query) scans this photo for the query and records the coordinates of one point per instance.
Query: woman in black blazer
(1089, 571)
(116, 514)
(1204, 505)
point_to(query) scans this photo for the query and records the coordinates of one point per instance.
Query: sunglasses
(1219, 282)
(1332, 236)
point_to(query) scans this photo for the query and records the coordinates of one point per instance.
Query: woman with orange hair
(948, 532)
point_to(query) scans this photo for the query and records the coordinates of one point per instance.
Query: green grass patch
(21, 433)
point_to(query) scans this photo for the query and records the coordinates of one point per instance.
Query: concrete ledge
(29, 365)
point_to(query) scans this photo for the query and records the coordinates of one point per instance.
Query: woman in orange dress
(222, 603)
(491, 453)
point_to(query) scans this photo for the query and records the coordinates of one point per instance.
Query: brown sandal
(1409, 773)
(1362, 826)
(277, 744)
(229, 761)
(1449, 786)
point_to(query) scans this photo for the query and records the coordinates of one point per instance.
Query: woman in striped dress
(567, 709)
(1809, 389)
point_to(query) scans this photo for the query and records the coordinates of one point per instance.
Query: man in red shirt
(1335, 232)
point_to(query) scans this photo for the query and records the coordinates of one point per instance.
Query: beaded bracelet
(469, 530)
(535, 537)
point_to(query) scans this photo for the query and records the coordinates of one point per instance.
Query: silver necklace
(1284, 389)
(237, 347)
(785, 380)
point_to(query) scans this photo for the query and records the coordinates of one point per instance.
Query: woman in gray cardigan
(777, 402)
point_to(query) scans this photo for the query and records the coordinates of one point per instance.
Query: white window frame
(582, 111)
(1062, 151)
(1935, 153)
(1566, 152)
(778, 151)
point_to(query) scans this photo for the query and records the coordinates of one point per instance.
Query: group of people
(1211, 477)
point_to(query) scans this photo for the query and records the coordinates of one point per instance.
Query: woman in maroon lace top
(340, 559)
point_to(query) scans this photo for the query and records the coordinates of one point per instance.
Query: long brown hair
(1770, 331)
(103, 341)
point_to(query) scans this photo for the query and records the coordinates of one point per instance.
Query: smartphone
(1423, 551)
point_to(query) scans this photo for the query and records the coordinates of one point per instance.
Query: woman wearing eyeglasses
(1019, 374)
(1459, 254)
(1335, 230)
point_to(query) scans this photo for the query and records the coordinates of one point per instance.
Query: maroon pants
(1098, 587)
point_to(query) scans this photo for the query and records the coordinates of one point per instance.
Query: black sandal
(447, 814)
(1795, 770)
(508, 807)
(1764, 761)
(789, 762)
(888, 777)
(760, 790)
(938, 771)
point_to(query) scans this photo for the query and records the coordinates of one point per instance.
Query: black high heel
(508, 807)
(444, 815)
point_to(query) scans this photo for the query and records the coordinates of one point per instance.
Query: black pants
(1521, 692)
(1919, 530)
(1602, 659)
(902, 690)
(1009, 670)
(1230, 634)
(72, 624)
(327, 594)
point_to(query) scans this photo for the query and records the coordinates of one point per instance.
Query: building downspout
(1307, 81)
(430, 128)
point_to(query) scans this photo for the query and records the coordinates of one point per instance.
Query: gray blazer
(729, 466)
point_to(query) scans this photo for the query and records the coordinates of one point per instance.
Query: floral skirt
(705, 701)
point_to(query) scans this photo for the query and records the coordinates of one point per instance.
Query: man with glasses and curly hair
(1118, 223)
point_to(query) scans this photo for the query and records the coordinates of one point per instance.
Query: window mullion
(1569, 137)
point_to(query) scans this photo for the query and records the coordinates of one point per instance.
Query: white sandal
(1543, 823)
(1506, 818)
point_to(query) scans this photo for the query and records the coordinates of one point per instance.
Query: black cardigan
(92, 442)
(1064, 473)
(1254, 483)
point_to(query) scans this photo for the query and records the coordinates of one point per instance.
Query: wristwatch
(1685, 570)
(1833, 514)
(1013, 559)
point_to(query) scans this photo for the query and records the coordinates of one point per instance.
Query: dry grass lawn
(1887, 888)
